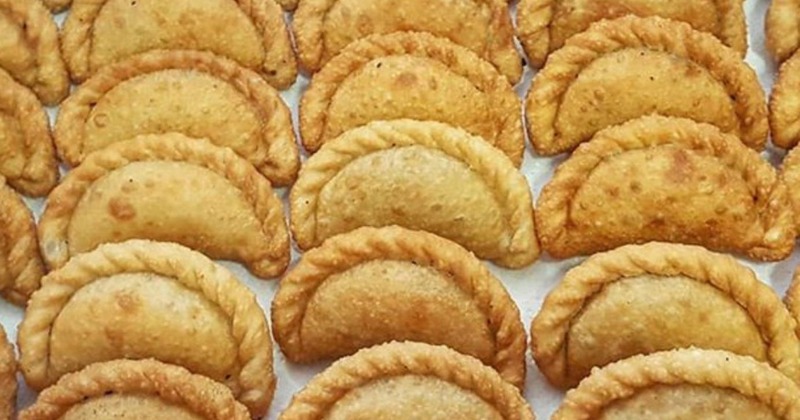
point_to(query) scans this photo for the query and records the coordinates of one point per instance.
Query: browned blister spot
(121, 209)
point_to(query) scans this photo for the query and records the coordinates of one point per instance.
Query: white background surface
(528, 287)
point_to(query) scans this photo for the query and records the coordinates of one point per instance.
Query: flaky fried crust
(8, 377)
(783, 28)
(340, 253)
(267, 207)
(255, 384)
(277, 133)
(712, 368)
(551, 326)
(171, 384)
(784, 107)
(21, 266)
(509, 187)
(400, 359)
(770, 195)
(677, 38)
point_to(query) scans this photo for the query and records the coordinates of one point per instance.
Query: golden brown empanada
(783, 28)
(251, 32)
(790, 175)
(793, 299)
(29, 49)
(544, 25)
(684, 384)
(411, 75)
(665, 179)
(191, 92)
(655, 297)
(168, 188)
(408, 380)
(372, 286)
(142, 299)
(323, 28)
(8, 377)
(623, 69)
(784, 105)
(142, 389)
(21, 266)
(419, 175)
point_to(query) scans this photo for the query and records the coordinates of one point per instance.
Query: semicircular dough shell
(141, 300)
(21, 266)
(8, 376)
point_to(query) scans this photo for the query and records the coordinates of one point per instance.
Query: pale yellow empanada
(623, 69)
(784, 105)
(373, 286)
(655, 297)
(251, 32)
(140, 300)
(783, 28)
(665, 179)
(419, 175)
(409, 381)
(168, 188)
(21, 266)
(191, 92)
(411, 75)
(8, 377)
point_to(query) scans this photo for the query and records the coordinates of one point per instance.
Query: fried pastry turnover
(250, 32)
(408, 380)
(666, 179)
(21, 266)
(8, 377)
(626, 68)
(168, 188)
(190, 92)
(784, 105)
(376, 285)
(783, 28)
(140, 300)
(420, 175)
(416, 76)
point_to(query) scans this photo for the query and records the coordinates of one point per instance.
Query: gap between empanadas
(8, 376)
(21, 266)
(783, 28)
(57, 5)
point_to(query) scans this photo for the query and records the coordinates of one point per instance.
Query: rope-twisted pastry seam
(56, 6)
(507, 184)
(783, 29)
(792, 299)
(714, 368)
(677, 38)
(267, 207)
(169, 383)
(461, 61)
(551, 326)
(771, 196)
(400, 359)
(340, 253)
(255, 384)
(23, 263)
(280, 160)
(8, 377)
(790, 176)
(783, 108)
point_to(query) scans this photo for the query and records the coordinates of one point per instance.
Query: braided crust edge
(551, 326)
(400, 359)
(783, 104)
(255, 384)
(783, 29)
(279, 163)
(790, 176)
(270, 261)
(509, 186)
(713, 368)
(676, 38)
(8, 377)
(771, 195)
(21, 264)
(456, 264)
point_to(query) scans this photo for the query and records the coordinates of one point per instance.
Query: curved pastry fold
(656, 297)
(8, 377)
(372, 286)
(383, 381)
(419, 175)
(250, 32)
(783, 28)
(784, 105)
(140, 300)
(665, 179)
(623, 69)
(688, 383)
(191, 92)
(21, 266)
(323, 28)
(416, 76)
(168, 188)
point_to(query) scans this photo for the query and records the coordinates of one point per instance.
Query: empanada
(419, 175)
(790, 175)
(168, 188)
(8, 377)
(783, 28)
(140, 300)
(684, 384)
(191, 92)
(784, 105)
(411, 75)
(544, 25)
(21, 266)
(372, 286)
(655, 297)
(410, 381)
(29, 49)
(323, 28)
(665, 179)
(793, 299)
(623, 69)
(251, 32)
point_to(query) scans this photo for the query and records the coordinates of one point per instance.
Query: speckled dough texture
(8, 377)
